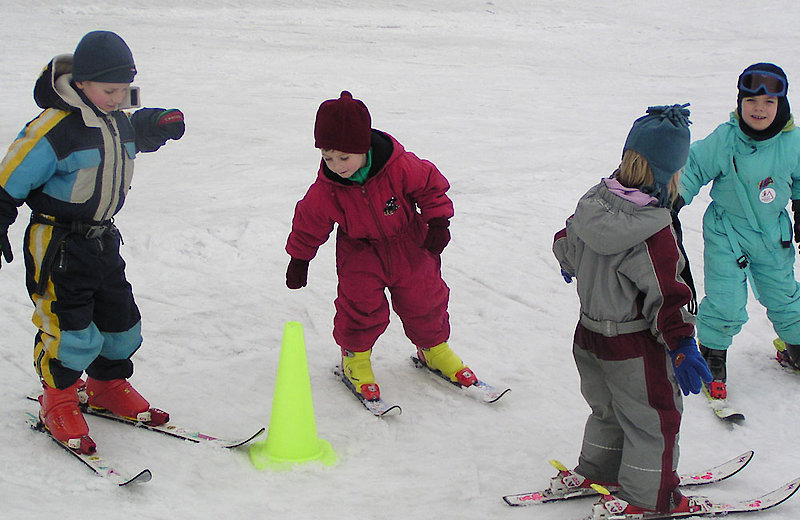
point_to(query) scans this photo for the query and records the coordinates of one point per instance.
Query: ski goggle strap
(762, 82)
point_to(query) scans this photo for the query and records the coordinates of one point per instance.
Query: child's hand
(5, 247)
(691, 369)
(155, 126)
(438, 235)
(297, 273)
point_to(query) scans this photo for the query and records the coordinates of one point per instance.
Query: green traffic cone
(292, 435)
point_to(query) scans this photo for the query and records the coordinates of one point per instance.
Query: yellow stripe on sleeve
(22, 146)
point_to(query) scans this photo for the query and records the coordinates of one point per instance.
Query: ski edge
(94, 461)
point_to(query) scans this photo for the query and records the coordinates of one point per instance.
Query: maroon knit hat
(343, 124)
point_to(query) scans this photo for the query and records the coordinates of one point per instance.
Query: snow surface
(523, 105)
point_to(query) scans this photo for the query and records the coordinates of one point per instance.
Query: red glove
(297, 273)
(438, 235)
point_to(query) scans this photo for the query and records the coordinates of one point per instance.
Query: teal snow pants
(723, 310)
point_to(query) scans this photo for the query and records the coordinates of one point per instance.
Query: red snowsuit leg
(413, 277)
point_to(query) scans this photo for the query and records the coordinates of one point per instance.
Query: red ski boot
(62, 416)
(119, 397)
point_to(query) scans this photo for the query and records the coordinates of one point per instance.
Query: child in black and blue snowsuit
(72, 165)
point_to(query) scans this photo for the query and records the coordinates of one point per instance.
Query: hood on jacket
(609, 224)
(54, 89)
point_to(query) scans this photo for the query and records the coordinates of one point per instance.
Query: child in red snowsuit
(393, 214)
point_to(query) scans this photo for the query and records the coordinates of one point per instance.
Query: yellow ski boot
(443, 360)
(357, 368)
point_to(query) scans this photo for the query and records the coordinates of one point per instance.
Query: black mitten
(154, 126)
(438, 235)
(297, 273)
(5, 247)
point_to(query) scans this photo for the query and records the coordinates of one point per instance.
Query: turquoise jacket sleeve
(702, 166)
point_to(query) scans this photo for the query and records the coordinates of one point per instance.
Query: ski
(781, 357)
(480, 390)
(378, 407)
(707, 507)
(93, 461)
(722, 408)
(175, 431)
(708, 476)
(169, 429)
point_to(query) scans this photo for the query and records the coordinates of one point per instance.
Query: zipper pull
(62, 256)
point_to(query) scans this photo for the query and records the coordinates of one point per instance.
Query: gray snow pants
(631, 436)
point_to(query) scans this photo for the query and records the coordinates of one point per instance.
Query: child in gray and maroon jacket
(634, 345)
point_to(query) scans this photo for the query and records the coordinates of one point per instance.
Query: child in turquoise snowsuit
(753, 161)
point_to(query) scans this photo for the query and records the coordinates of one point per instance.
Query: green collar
(360, 176)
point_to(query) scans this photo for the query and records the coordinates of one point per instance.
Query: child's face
(759, 111)
(344, 164)
(105, 96)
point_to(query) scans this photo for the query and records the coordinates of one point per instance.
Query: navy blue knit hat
(104, 57)
(662, 138)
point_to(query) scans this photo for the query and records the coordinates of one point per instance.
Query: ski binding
(377, 407)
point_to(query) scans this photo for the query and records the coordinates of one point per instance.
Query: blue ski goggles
(758, 82)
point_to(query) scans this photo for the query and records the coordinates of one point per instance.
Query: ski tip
(514, 500)
(493, 395)
(780, 495)
(391, 410)
(793, 485)
(746, 457)
(140, 478)
(238, 444)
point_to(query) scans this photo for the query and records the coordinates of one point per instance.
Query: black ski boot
(792, 355)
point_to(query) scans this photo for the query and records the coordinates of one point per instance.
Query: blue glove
(691, 369)
(566, 276)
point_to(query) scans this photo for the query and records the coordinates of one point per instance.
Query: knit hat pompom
(662, 138)
(343, 124)
(104, 57)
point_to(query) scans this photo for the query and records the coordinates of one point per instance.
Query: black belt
(89, 230)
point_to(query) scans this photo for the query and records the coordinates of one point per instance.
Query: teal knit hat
(662, 138)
